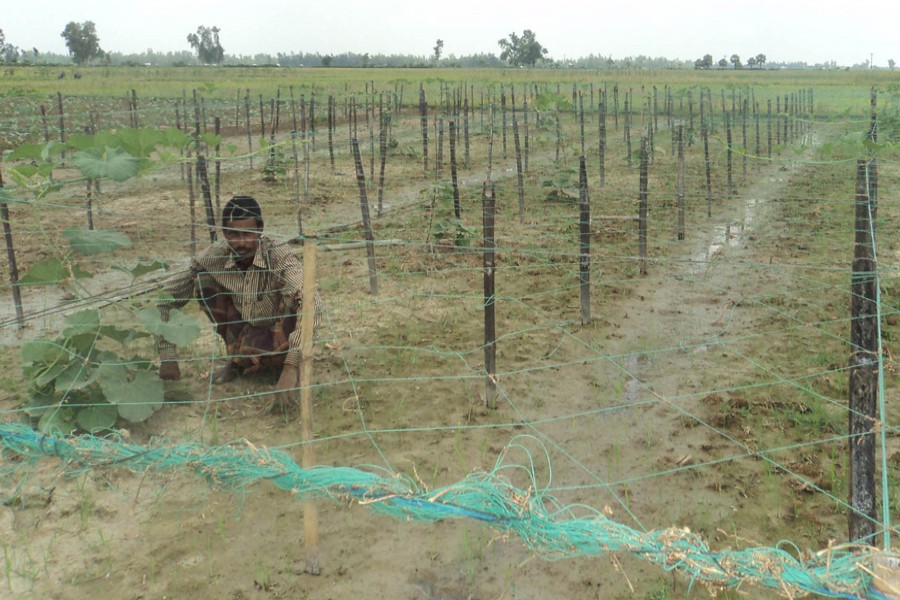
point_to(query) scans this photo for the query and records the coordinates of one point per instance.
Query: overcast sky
(814, 31)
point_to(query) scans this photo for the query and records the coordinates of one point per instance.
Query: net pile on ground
(550, 530)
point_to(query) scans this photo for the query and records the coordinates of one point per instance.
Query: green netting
(550, 530)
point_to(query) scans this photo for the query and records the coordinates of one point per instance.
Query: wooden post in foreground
(863, 371)
(307, 325)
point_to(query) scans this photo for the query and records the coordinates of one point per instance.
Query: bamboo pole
(308, 461)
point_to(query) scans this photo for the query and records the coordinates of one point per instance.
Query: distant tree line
(707, 62)
(518, 50)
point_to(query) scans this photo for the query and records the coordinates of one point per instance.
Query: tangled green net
(550, 530)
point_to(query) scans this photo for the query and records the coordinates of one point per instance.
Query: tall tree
(82, 41)
(736, 61)
(521, 51)
(760, 60)
(438, 49)
(704, 63)
(8, 52)
(206, 43)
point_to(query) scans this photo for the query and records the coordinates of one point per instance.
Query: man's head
(242, 225)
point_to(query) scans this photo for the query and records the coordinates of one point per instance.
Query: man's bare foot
(225, 373)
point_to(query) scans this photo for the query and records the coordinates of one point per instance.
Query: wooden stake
(457, 209)
(704, 133)
(367, 223)
(601, 119)
(249, 134)
(423, 117)
(680, 198)
(584, 223)
(11, 259)
(864, 361)
(382, 153)
(203, 177)
(729, 161)
(308, 461)
(520, 179)
(490, 336)
(642, 208)
(218, 172)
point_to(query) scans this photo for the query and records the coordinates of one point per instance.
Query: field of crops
(677, 361)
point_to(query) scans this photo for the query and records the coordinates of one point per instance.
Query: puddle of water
(730, 235)
(631, 392)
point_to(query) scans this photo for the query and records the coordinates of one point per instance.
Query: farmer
(252, 290)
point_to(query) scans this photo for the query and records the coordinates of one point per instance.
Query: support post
(490, 337)
(584, 263)
(864, 359)
(307, 327)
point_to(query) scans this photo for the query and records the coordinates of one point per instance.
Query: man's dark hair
(242, 207)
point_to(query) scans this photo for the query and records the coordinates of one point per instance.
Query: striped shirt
(267, 292)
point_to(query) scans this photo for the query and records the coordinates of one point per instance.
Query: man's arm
(178, 291)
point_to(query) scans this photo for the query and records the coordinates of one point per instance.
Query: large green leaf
(42, 351)
(122, 336)
(57, 422)
(142, 269)
(82, 343)
(39, 404)
(180, 329)
(176, 138)
(96, 241)
(210, 139)
(26, 152)
(75, 376)
(106, 163)
(140, 142)
(137, 395)
(82, 322)
(97, 417)
(50, 271)
(50, 374)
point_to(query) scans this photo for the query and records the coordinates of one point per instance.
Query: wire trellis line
(550, 530)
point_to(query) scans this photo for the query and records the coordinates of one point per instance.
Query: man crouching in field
(252, 290)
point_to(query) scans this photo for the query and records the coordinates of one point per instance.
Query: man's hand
(169, 370)
(286, 388)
